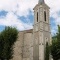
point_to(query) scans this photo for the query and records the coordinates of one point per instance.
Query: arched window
(37, 16)
(45, 15)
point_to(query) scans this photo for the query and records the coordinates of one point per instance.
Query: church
(31, 44)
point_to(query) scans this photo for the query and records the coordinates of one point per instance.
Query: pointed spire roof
(41, 1)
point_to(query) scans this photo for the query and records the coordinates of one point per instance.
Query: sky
(20, 14)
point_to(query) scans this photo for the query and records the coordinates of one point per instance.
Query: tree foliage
(47, 52)
(7, 39)
(55, 47)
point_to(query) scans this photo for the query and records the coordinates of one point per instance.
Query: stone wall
(18, 47)
(23, 48)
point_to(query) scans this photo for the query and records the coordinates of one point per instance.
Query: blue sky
(19, 14)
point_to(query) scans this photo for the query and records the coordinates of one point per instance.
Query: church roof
(27, 31)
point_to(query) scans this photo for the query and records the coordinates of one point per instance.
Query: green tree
(1, 46)
(9, 37)
(55, 47)
(47, 52)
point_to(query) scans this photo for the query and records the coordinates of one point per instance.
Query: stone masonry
(31, 44)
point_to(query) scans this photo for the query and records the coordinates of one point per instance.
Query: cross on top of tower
(41, 1)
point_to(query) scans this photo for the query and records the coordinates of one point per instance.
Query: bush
(7, 39)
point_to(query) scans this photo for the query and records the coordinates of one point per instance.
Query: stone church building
(31, 43)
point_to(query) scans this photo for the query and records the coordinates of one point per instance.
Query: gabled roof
(27, 31)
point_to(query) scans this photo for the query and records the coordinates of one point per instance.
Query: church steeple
(41, 30)
(41, 1)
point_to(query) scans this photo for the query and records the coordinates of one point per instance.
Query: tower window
(45, 15)
(37, 16)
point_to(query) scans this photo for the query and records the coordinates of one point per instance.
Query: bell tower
(41, 30)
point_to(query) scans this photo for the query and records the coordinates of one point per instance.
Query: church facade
(31, 44)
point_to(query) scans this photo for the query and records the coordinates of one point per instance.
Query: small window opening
(37, 16)
(45, 15)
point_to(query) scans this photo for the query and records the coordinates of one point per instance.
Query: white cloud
(54, 9)
(21, 8)
(12, 20)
